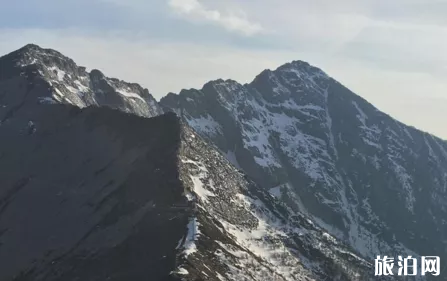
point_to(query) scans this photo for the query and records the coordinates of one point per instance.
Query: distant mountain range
(290, 177)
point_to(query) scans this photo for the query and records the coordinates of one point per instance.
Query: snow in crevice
(431, 152)
(441, 146)
(277, 88)
(81, 87)
(181, 271)
(60, 74)
(200, 189)
(329, 125)
(407, 133)
(397, 165)
(370, 134)
(205, 125)
(406, 182)
(129, 94)
(189, 245)
(362, 117)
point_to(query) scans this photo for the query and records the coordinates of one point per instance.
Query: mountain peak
(299, 63)
(32, 54)
(30, 47)
(33, 49)
(65, 82)
(296, 69)
(298, 66)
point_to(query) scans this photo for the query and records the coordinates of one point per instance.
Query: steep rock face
(89, 195)
(62, 81)
(363, 176)
(96, 194)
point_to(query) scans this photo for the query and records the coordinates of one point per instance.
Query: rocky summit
(291, 177)
(55, 78)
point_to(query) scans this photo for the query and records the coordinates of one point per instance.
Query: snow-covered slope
(366, 178)
(62, 81)
(241, 232)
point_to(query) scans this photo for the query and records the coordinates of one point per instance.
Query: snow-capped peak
(72, 84)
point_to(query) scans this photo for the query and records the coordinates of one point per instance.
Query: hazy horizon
(392, 57)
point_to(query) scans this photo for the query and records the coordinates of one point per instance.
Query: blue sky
(390, 52)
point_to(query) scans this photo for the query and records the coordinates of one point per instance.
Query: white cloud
(231, 21)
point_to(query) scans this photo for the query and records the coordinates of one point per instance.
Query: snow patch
(128, 94)
(205, 125)
(188, 243)
(59, 73)
(182, 271)
(370, 134)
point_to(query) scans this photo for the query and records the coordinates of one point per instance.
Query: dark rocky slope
(89, 195)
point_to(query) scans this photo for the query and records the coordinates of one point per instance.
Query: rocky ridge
(61, 80)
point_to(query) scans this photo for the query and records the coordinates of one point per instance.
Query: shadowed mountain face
(98, 194)
(368, 179)
(89, 195)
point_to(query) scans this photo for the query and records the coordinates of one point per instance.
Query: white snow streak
(128, 94)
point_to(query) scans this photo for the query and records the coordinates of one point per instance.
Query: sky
(392, 53)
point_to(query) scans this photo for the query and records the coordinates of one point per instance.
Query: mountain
(57, 79)
(90, 191)
(365, 178)
(290, 177)
(97, 194)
